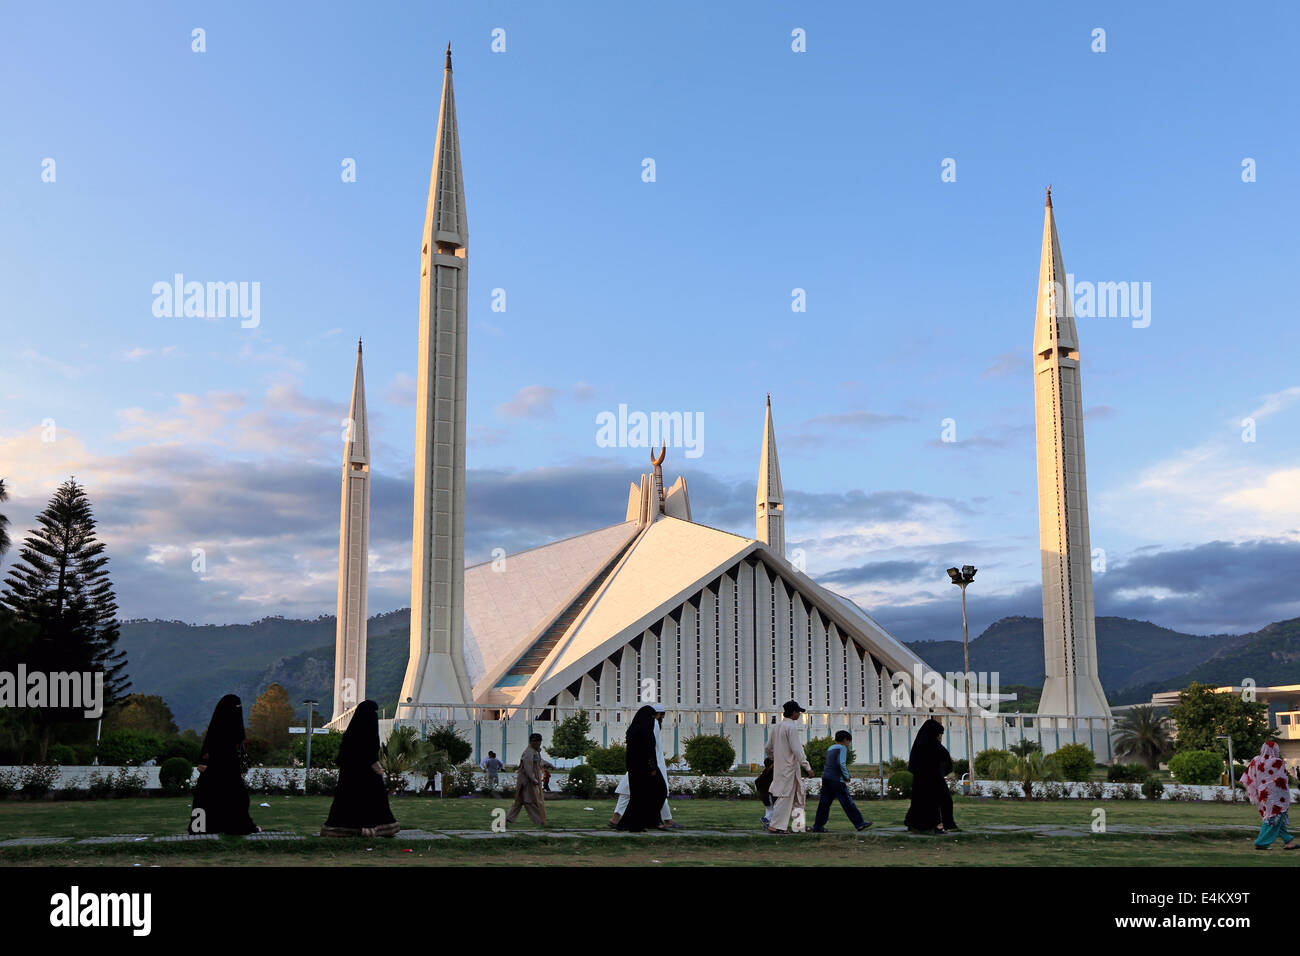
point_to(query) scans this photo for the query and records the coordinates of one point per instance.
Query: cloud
(857, 419)
(531, 401)
(1009, 363)
(401, 390)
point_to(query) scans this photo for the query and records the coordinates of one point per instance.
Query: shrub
(324, 749)
(180, 747)
(62, 754)
(174, 775)
(460, 781)
(257, 750)
(1126, 791)
(1094, 790)
(1127, 773)
(100, 785)
(1152, 788)
(900, 784)
(1196, 766)
(1075, 761)
(895, 765)
(710, 753)
(611, 759)
(815, 751)
(40, 780)
(719, 788)
(446, 738)
(128, 783)
(128, 748)
(985, 761)
(322, 782)
(8, 783)
(581, 782)
(961, 767)
(570, 739)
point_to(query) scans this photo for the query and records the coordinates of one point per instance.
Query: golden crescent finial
(660, 460)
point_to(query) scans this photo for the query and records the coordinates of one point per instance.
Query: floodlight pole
(311, 704)
(962, 578)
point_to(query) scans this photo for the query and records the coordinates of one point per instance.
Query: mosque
(658, 607)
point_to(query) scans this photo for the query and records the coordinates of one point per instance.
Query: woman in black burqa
(648, 788)
(930, 763)
(360, 807)
(220, 797)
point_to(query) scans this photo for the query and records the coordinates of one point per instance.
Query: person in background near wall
(929, 763)
(530, 795)
(1268, 788)
(492, 766)
(835, 785)
(788, 759)
(360, 807)
(220, 797)
(763, 787)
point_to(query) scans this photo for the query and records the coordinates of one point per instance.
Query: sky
(882, 166)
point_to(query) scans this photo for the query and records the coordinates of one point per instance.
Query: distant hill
(1130, 654)
(192, 666)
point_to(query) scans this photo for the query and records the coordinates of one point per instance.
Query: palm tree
(1142, 735)
(1033, 767)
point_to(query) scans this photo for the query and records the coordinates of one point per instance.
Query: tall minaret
(435, 672)
(769, 505)
(354, 547)
(1069, 631)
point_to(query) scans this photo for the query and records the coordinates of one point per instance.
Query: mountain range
(191, 666)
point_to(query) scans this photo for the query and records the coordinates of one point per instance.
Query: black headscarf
(929, 757)
(360, 744)
(226, 729)
(643, 725)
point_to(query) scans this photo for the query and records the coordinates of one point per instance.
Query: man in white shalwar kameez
(624, 790)
(786, 750)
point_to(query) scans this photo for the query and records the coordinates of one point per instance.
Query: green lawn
(161, 816)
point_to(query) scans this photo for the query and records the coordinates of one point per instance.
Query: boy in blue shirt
(835, 785)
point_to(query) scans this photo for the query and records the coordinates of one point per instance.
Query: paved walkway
(992, 830)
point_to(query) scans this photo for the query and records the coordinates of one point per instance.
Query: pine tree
(4, 520)
(59, 589)
(271, 716)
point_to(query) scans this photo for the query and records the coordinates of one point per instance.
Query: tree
(570, 738)
(146, 712)
(4, 520)
(1196, 766)
(1201, 715)
(60, 588)
(815, 751)
(1076, 762)
(711, 753)
(1025, 747)
(1141, 735)
(445, 737)
(271, 716)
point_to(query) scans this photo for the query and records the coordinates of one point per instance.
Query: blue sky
(775, 170)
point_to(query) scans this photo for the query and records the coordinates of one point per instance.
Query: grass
(161, 816)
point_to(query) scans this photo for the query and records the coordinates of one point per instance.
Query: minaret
(1069, 631)
(769, 505)
(435, 672)
(354, 546)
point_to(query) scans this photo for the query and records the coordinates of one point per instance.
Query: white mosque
(718, 627)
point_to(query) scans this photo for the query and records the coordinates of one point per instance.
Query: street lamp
(311, 704)
(880, 753)
(962, 578)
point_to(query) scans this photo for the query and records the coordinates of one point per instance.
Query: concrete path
(986, 830)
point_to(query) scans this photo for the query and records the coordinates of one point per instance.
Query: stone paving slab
(185, 838)
(35, 841)
(274, 835)
(420, 835)
(116, 838)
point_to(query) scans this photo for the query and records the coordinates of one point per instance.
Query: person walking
(1269, 789)
(788, 758)
(835, 786)
(220, 797)
(360, 806)
(492, 766)
(647, 788)
(530, 794)
(929, 763)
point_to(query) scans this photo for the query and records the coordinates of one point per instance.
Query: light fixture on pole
(963, 578)
(311, 704)
(880, 722)
(1232, 785)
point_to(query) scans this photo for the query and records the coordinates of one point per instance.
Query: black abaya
(220, 792)
(648, 788)
(929, 762)
(360, 806)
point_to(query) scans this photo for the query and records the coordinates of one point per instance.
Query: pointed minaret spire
(1069, 628)
(354, 546)
(769, 505)
(435, 672)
